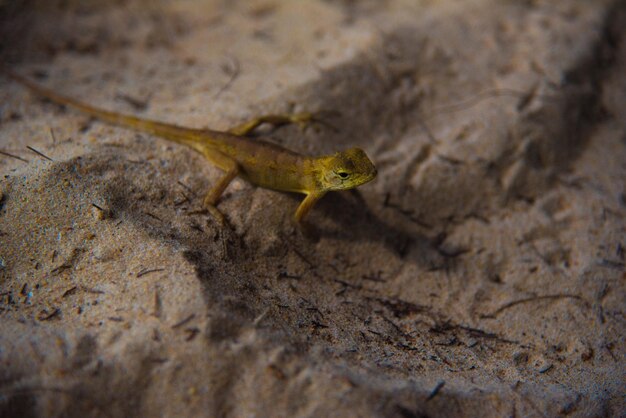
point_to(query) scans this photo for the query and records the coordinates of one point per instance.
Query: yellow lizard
(255, 160)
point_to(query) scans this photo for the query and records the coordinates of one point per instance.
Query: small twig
(189, 189)
(479, 333)
(347, 284)
(450, 160)
(148, 271)
(401, 308)
(60, 268)
(192, 332)
(316, 310)
(259, 318)
(196, 227)
(231, 68)
(39, 153)
(545, 368)
(440, 328)
(318, 324)
(298, 252)
(182, 201)
(45, 316)
(184, 321)
(410, 214)
(90, 290)
(285, 275)
(436, 390)
(13, 156)
(374, 278)
(609, 348)
(526, 300)
(54, 139)
(619, 251)
(153, 216)
(452, 252)
(69, 291)
(395, 326)
(407, 347)
(524, 96)
(158, 304)
(302, 257)
(374, 332)
(138, 104)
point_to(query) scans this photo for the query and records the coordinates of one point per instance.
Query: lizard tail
(182, 135)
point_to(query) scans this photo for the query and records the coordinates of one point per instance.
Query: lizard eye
(343, 174)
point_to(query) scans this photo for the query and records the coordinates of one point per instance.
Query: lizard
(256, 160)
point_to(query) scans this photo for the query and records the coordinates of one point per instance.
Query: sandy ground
(481, 274)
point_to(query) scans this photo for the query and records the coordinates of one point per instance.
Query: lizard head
(346, 170)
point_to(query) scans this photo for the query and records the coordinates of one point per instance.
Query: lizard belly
(267, 164)
(272, 177)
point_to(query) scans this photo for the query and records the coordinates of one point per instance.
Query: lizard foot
(305, 119)
(214, 212)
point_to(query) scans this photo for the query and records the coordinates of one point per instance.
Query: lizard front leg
(307, 204)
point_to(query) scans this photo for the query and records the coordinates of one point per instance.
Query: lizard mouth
(370, 176)
(366, 178)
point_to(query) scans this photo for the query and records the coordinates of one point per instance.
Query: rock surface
(482, 273)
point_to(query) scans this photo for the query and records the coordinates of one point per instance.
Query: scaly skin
(256, 160)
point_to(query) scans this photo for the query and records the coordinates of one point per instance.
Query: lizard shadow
(346, 216)
(343, 216)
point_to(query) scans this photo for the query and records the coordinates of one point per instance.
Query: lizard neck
(313, 174)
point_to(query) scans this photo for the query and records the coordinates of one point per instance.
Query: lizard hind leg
(215, 193)
(231, 170)
(301, 119)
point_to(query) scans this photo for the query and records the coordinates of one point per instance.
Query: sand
(481, 274)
